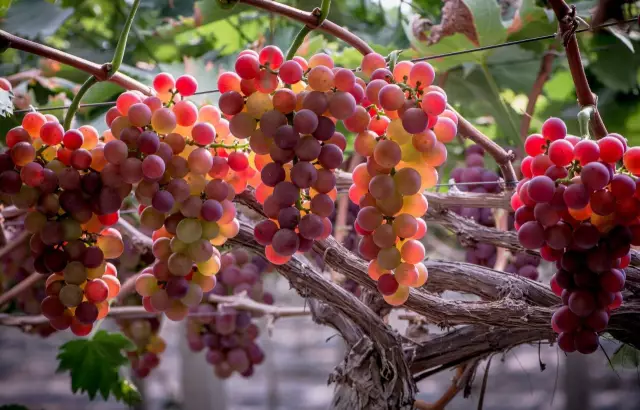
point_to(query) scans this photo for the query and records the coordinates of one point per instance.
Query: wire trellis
(432, 57)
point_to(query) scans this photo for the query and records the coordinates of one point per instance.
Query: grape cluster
(51, 172)
(288, 111)
(186, 168)
(524, 264)
(474, 177)
(581, 213)
(228, 334)
(148, 344)
(402, 126)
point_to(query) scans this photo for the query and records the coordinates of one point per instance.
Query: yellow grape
(415, 205)
(209, 229)
(218, 240)
(189, 230)
(95, 273)
(210, 267)
(257, 104)
(146, 284)
(110, 242)
(207, 283)
(397, 133)
(398, 298)
(423, 275)
(410, 154)
(231, 229)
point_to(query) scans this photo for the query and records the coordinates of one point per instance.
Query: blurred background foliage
(490, 87)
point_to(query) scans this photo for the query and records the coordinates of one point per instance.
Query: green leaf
(448, 44)
(626, 357)
(4, 7)
(6, 103)
(213, 10)
(126, 392)
(393, 59)
(615, 65)
(94, 363)
(487, 20)
(21, 19)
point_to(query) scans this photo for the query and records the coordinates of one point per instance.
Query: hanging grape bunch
(287, 110)
(402, 125)
(228, 334)
(581, 212)
(52, 173)
(148, 344)
(188, 168)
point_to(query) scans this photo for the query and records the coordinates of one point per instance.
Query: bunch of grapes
(474, 177)
(186, 168)
(582, 213)
(524, 264)
(228, 334)
(288, 112)
(401, 128)
(149, 345)
(52, 173)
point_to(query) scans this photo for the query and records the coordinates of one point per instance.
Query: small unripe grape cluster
(582, 213)
(148, 344)
(229, 335)
(185, 169)
(402, 126)
(49, 171)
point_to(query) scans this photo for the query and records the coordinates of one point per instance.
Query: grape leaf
(4, 7)
(6, 103)
(488, 22)
(94, 365)
(22, 21)
(626, 357)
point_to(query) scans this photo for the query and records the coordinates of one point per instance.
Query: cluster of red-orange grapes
(52, 173)
(185, 169)
(582, 213)
(402, 125)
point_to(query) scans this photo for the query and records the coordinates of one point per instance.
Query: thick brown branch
(134, 312)
(101, 72)
(536, 90)
(310, 20)
(586, 97)
(444, 200)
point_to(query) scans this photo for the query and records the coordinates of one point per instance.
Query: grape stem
(101, 72)
(584, 117)
(309, 19)
(111, 68)
(321, 14)
(567, 22)
(73, 108)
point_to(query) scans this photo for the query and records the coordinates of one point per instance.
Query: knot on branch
(106, 72)
(568, 25)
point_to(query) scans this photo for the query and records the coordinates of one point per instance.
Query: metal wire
(432, 57)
